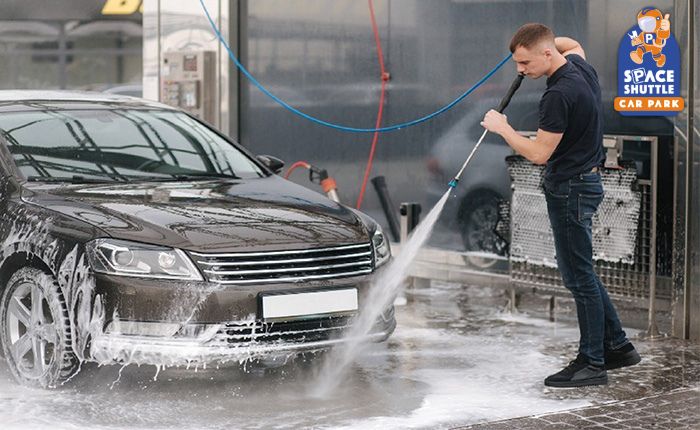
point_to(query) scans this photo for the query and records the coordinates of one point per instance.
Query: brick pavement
(662, 392)
(677, 410)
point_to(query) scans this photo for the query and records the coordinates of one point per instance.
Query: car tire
(35, 331)
(477, 220)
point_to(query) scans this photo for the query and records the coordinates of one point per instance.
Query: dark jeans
(571, 205)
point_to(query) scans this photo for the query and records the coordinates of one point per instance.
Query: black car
(132, 232)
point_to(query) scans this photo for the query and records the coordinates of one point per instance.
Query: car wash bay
(324, 61)
(477, 329)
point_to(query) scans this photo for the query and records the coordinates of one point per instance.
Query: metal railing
(634, 280)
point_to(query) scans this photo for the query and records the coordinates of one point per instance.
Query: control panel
(188, 81)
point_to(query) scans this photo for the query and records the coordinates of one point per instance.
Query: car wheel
(477, 219)
(36, 330)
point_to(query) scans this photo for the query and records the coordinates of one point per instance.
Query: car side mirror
(272, 163)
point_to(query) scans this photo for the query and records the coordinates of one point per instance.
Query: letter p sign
(638, 75)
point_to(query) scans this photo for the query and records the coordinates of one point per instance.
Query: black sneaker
(621, 357)
(579, 373)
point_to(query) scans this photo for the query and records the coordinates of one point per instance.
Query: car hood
(207, 216)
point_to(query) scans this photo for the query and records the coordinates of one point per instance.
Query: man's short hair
(530, 35)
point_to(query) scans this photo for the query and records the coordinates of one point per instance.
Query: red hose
(380, 113)
(303, 164)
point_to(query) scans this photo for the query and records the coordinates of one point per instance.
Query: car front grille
(286, 266)
(243, 333)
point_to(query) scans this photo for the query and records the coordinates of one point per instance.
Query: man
(570, 142)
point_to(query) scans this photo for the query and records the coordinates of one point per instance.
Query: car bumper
(219, 343)
(139, 299)
(174, 323)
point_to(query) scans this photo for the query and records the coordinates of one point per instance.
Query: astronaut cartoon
(655, 30)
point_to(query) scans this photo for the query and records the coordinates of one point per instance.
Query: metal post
(689, 186)
(159, 55)
(511, 304)
(62, 55)
(379, 183)
(552, 308)
(653, 329)
(410, 217)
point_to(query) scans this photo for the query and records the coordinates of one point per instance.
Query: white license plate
(309, 303)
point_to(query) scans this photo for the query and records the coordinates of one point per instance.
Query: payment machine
(189, 82)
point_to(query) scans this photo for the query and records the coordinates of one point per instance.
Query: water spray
(386, 285)
(501, 107)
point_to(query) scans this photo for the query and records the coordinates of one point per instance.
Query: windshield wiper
(180, 177)
(75, 179)
(207, 175)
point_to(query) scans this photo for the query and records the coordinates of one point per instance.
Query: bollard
(410, 217)
(379, 183)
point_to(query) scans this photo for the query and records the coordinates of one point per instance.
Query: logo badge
(649, 68)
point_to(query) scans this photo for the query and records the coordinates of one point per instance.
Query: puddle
(428, 375)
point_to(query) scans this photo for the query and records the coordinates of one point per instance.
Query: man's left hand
(495, 122)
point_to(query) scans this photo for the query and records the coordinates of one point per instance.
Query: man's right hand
(495, 122)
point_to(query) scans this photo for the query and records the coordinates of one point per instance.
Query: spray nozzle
(317, 175)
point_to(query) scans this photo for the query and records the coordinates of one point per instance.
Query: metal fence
(624, 275)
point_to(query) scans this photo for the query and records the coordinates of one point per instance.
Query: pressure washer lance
(501, 107)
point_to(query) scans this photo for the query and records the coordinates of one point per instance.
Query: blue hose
(337, 126)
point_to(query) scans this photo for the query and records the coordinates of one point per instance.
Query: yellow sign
(122, 7)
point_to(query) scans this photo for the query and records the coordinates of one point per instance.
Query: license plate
(309, 303)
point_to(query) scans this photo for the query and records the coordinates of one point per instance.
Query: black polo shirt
(571, 105)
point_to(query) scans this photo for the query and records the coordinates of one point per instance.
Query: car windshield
(118, 144)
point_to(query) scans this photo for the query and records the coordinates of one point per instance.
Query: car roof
(19, 96)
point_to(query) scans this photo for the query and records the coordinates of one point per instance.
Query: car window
(119, 144)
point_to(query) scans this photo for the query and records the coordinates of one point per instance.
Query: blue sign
(649, 68)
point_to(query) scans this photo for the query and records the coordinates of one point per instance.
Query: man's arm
(566, 46)
(537, 151)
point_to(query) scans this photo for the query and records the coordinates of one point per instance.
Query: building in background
(71, 44)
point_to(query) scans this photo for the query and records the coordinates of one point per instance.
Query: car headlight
(382, 251)
(124, 258)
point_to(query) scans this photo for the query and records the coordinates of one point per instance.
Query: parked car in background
(474, 209)
(133, 90)
(485, 185)
(134, 233)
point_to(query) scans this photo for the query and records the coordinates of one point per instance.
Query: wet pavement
(662, 392)
(677, 410)
(455, 360)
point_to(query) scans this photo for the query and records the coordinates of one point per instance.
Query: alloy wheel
(31, 330)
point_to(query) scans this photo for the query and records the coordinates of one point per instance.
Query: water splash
(384, 289)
